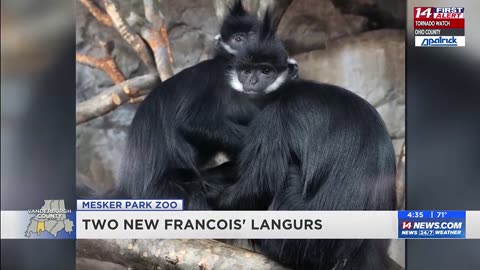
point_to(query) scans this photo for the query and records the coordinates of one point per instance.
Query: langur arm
(225, 134)
(262, 164)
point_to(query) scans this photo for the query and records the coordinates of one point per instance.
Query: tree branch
(153, 13)
(221, 7)
(128, 34)
(99, 14)
(163, 32)
(136, 100)
(159, 47)
(277, 7)
(155, 33)
(133, 91)
(107, 64)
(174, 254)
(115, 96)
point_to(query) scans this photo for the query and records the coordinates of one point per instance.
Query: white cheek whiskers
(227, 47)
(278, 82)
(234, 82)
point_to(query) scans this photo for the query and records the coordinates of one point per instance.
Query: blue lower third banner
(432, 224)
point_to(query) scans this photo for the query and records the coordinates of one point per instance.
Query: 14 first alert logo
(52, 218)
(439, 26)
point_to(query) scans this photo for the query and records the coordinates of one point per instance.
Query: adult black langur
(313, 146)
(186, 120)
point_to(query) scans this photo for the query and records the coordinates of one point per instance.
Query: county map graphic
(51, 218)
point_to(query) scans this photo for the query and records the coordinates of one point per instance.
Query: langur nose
(253, 81)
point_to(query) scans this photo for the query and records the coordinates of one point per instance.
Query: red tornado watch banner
(439, 23)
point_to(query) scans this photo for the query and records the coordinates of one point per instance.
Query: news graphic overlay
(439, 26)
(166, 219)
(432, 224)
(52, 220)
(141, 224)
(129, 205)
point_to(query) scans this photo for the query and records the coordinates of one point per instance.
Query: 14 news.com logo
(410, 225)
(431, 224)
(439, 26)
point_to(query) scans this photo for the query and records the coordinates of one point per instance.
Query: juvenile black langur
(186, 120)
(313, 146)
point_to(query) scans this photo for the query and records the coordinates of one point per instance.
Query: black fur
(266, 48)
(183, 123)
(315, 147)
(238, 20)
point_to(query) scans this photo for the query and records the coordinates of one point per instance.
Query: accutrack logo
(439, 41)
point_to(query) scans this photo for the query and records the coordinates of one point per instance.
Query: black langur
(186, 120)
(313, 146)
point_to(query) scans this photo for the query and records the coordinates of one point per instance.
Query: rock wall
(356, 44)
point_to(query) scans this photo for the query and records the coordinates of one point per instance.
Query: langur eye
(266, 70)
(238, 39)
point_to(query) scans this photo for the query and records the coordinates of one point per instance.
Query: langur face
(236, 41)
(257, 79)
